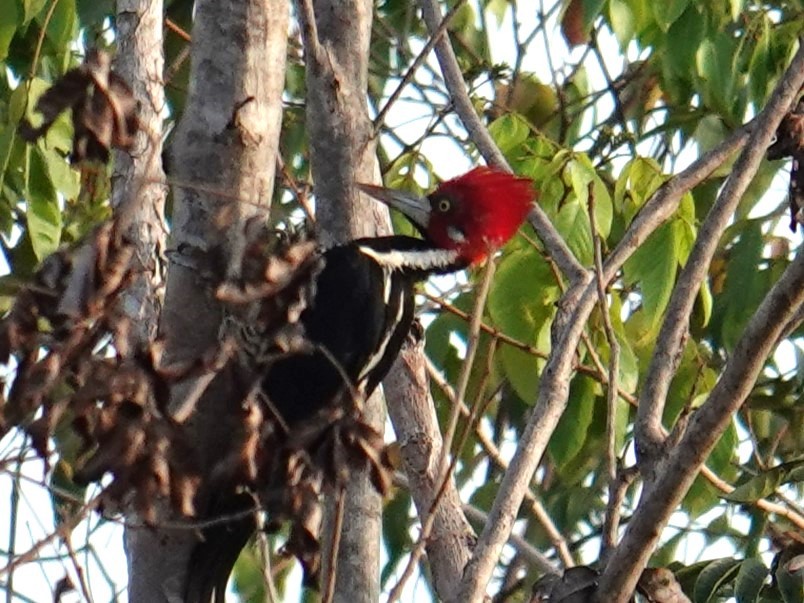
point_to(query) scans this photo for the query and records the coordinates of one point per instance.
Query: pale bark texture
(412, 413)
(224, 156)
(138, 199)
(336, 39)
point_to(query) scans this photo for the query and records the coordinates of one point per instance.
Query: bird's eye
(444, 205)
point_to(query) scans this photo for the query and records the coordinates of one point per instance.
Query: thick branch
(336, 36)
(416, 425)
(553, 389)
(227, 140)
(558, 249)
(669, 344)
(138, 192)
(705, 428)
(138, 199)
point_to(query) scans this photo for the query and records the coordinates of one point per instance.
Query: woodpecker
(363, 305)
(362, 308)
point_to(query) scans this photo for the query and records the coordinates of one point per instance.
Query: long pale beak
(416, 209)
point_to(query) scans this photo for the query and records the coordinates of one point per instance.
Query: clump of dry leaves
(790, 143)
(104, 111)
(58, 333)
(65, 338)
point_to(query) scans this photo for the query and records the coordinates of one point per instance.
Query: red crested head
(470, 216)
(478, 212)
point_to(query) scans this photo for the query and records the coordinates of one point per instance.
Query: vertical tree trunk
(224, 157)
(336, 42)
(138, 199)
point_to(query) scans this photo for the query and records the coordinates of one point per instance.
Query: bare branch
(554, 386)
(416, 425)
(495, 455)
(670, 341)
(453, 78)
(705, 428)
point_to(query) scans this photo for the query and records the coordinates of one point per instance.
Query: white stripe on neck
(428, 259)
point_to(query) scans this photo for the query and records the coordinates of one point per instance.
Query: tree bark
(138, 199)
(336, 39)
(224, 157)
(413, 416)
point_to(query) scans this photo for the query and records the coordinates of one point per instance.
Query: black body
(361, 312)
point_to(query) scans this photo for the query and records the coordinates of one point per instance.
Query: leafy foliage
(600, 103)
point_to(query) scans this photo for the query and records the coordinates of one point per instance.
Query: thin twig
(79, 572)
(495, 455)
(614, 346)
(672, 334)
(791, 515)
(337, 528)
(453, 79)
(12, 528)
(466, 369)
(618, 486)
(267, 573)
(411, 72)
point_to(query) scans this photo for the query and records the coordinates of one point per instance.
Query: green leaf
(715, 60)
(61, 28)
(7, 138)
(66, 497)
(396, 533)
(521, 304)
(745, 285)
(42, 214)
(790, 585)
(498, 8)
(736, 7)
(667, 12)
(591, 10)
(93, 12)
(759, 67)
(64, 178)
(722, 458)
(759, 486)
(573, 426)
(653, 266)
(509, 131)
(247, 574)
(640, 178)
(712, 577)
(750, 580)
(9, 20)
(32, 8)
(704, 302)
(682, 41)
(623, 23)
(700, 498)
(573, 224)
(580, 177)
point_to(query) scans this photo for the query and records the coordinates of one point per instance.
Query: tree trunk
(336, 42)
(224, 157)
(138, 199)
